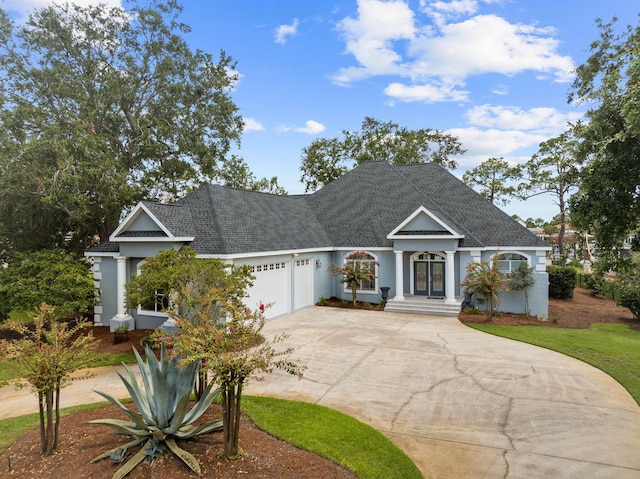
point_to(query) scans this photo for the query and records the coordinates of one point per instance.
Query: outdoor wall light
(318, 264)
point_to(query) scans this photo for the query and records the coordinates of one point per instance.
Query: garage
(272, 285)
(303, 286)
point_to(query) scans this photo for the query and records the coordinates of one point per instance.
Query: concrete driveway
(461, 403)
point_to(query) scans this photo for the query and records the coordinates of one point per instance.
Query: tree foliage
(521, 279)
(496, 180)
(554, 170)
(354, 271)
(485, 280)
(100, 108)
(215, 327)
(326, 159)
(60, 279)
(45, 357)
(232, 354)
(608, 202)
(173, 270)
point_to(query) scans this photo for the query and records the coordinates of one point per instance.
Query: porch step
(419, 305)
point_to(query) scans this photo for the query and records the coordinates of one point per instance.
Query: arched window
(509, 262)
(364, 258)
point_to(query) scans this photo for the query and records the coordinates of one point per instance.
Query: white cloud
(482, 144)
(543, 119)
(310, 127)
(489, 44)
(284, 31)
(436, 58)
(425, 93)
(252, 125)
(370, 38)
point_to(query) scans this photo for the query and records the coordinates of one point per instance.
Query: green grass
(14, 427)
(8, 372)
(613, 348)
(329, 433)
(333, 435)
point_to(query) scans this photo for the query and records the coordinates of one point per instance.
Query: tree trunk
(563, 219)
(57, 426)
(231, 399)
(48, 449)
(489, 310)
(41, 410)
(354, 288)
(201, 384)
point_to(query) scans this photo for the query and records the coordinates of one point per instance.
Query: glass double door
(428, 278)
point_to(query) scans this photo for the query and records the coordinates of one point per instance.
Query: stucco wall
(513, 301)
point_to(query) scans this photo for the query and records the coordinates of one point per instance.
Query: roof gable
(155, 221)
(423, 223)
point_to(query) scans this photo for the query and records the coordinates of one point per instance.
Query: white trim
(423, 211)
(505, 248)
(521, 253)
(289, 252)
(154, 239)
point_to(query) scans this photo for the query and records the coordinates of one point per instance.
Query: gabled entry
(429, 275)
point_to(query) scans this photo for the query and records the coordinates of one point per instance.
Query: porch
(414, 304)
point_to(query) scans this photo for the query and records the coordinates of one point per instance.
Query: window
(156, 304)
(364, 259)
(509, 262)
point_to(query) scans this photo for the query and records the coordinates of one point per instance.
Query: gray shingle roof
(358, 209)
(231, 221)
(174, 217)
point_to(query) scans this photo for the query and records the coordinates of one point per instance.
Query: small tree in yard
(45, 357)
(215, 327)
(232, 356)
(487, 281)
(521, 279)
(358, 267)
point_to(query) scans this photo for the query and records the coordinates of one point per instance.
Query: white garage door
(303, 275)
(270, 286)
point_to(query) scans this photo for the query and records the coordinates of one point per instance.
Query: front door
(428, 278)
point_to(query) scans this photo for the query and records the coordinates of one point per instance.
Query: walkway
(461, 403)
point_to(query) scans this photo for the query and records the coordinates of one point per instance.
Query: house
(418, 226)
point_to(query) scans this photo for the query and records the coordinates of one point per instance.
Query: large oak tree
(100, 108)
(329, 158)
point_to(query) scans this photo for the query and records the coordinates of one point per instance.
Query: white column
(450, 274)
(399, 277)
(121, 316)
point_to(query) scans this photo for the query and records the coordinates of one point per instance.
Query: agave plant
(163, 413)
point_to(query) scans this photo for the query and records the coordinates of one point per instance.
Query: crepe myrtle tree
(196, 288)
(358, 267)
(227, 340)
(45, 357)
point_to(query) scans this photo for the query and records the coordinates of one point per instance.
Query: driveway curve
(459, 402)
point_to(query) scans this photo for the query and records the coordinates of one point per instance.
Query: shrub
(562, 281)
(163, 412)
(485, 280)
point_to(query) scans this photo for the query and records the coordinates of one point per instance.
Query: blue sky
(494, 73)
